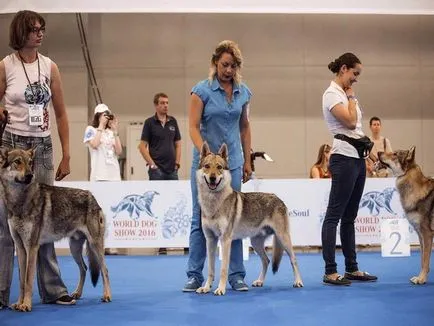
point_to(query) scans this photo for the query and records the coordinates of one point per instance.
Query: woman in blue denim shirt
(219, 113)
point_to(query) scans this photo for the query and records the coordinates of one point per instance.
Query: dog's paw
(220, 291)
(258, 283)
(22, 307)
(418, 280)
(203, 289)
(106, 298)
(298, 284)
(76, 295)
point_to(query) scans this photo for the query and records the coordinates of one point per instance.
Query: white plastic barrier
(154, 214)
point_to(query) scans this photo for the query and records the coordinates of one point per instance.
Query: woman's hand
(247, 171)
(63, 169)
(113, 124)
(349, 91)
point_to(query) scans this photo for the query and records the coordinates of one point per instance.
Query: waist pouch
(362, 145)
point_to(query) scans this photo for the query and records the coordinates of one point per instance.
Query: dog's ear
(204, 150)
(4, 156)
(411, 154)
(223, 151)
(31, 152)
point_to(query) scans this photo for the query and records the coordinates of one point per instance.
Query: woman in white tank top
(29, 82)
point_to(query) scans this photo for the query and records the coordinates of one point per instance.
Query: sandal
(363, 277)
(340, 280)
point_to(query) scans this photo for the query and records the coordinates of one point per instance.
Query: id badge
(36, 114)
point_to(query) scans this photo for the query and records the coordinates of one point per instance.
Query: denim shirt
(220, 121)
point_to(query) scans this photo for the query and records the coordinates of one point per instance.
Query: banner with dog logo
(157, 214)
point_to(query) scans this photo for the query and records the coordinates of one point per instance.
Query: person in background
(374, 168)
(104, 144)
(160, 143)
(321, 167)
(343, 116)
(102, 139)
(29, 82)
(219, 113)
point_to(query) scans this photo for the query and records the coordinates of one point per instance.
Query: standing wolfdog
(39, 213)
(417, 199)
(228, 215)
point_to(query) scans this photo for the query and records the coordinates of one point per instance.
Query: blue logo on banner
(176, 221)
(136, 204)
(377, 200)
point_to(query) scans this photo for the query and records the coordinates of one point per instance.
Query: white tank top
(19, 95)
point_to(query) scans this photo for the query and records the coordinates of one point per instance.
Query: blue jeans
(158, 174)
(51, 286)
(197, 250)
(348, 182)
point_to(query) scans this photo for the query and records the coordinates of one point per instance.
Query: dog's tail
(277, 254)
(94, 265)
(95, 245)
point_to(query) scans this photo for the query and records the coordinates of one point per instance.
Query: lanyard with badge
(36, 111)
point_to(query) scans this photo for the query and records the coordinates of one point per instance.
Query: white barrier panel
(419, 7)
(154, 214)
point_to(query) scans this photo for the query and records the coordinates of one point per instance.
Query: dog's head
(213, 168)
(17, 165)
(399, 161)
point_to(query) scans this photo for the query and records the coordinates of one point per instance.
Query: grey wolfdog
(39, 213)
(228, 215)
(416, 192)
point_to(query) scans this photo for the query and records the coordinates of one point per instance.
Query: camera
(109, 115)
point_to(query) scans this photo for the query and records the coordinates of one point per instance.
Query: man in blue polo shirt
(160, 143)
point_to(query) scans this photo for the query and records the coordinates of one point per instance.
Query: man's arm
(144, 150)
(178, 154)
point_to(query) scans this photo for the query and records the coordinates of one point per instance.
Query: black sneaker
(340, 280)
(192, 285)
(239, 285)
(364, 277)
(2, 306)
(66, 300)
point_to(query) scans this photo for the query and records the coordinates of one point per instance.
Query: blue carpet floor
(147, 291)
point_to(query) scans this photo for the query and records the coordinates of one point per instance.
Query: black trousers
(348, 181)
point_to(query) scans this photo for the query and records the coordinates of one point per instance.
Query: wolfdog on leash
(39, 213)
(417, 199)
(229, 215)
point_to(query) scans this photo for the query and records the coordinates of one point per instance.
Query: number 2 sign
(395, 238)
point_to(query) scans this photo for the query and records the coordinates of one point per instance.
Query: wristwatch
(351, 97)
(153, 166)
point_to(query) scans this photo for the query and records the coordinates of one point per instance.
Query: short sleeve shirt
(161, 140)
(334, 95)
(104, 164)
(220, 121)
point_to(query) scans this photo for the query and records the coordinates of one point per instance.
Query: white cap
(100, 108)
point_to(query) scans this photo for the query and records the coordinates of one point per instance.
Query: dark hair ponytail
(348, 59)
